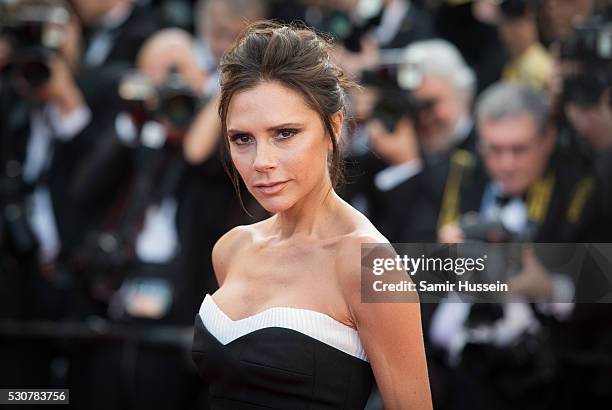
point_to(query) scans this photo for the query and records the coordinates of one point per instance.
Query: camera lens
(180, 110)
(584, 89)
(35, 72)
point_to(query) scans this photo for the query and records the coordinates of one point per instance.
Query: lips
(270, 187)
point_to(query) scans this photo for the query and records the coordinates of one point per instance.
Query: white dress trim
(314, 324)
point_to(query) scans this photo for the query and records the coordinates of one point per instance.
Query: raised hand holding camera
(395, 148)
(534, 281)
(61, 89)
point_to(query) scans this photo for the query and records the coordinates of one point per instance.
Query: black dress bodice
(282, 358)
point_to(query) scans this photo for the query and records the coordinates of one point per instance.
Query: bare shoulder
(350, 245)
(391, 333)
(357, 251)
(229, 245)
(351, 251)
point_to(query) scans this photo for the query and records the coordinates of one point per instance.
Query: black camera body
(590, 42)
(589, 49)
(35, 31)
(176, 101)
(489, 232)
(394, 102)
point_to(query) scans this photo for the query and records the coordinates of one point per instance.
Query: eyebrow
(274, 128)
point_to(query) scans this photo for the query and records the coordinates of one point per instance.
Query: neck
(523, 42)
(520, 50)
(311, 217)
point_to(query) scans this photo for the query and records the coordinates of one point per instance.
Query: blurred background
(478, 120)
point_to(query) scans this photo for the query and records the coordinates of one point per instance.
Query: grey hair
(441, 58)
(506, 100)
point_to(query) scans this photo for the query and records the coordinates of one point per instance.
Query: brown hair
(296, 57)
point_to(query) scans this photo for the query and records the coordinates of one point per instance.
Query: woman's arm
(390, 333)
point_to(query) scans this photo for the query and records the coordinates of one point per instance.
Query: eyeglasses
(517, 150)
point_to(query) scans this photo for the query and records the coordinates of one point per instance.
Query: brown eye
(286, 133)
(241, 139)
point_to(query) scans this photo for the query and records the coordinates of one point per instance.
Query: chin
(434, 142)
(515, 189)
(274, 205)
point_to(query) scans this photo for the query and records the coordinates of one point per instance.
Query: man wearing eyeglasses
(532, 194)
(530, 186)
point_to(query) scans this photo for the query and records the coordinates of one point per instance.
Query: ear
(337, 120)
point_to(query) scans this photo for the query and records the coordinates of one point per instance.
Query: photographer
(146, 263)
(434, 76)
(438, 74)
(530, 63)
(114, 30)
(397, 156)
(527, 198)
(586, 67)
(44, 117)
(517, 145)
(559, 16)
(218, 24)
(363, 34)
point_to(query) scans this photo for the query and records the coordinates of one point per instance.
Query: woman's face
(278, 145)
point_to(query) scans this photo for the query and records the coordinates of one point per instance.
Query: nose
(507, 161)
(264, 158)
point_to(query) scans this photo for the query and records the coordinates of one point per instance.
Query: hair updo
(296, 57)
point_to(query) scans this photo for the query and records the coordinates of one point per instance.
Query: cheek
(306, 162)
(450, 109)
(492, 167)
(242, 162)
(443, 112)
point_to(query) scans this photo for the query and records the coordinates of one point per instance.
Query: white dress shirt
(45, 124)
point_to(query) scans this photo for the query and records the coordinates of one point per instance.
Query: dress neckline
(254, 316)
(314, 324)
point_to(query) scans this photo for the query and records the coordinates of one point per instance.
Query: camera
(516, 8)
(504, 247)
(589, 52)
(35, 30)
(395, 101)
(176, 101)
(590, 42)
(480, 231)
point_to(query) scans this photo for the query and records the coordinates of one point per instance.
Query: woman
(287, 328)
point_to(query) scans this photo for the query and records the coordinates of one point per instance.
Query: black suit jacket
(128, 37)
(410, 211)
(205, 199)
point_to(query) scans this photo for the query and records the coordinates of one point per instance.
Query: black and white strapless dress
(280, 358)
